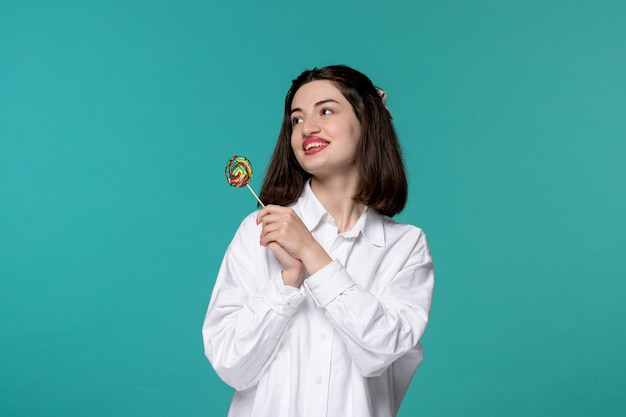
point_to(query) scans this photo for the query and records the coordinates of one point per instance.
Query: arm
(248, 311)
(378, 328)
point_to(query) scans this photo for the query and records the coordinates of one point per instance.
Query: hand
(293, 269)
(282, 225)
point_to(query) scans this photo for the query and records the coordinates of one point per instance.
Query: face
(325, 132)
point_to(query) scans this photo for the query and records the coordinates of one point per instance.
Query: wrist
(316, 259)
(293, 277)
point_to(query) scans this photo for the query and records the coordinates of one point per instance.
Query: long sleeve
(345, 344)
(381, 321)
(248, 312)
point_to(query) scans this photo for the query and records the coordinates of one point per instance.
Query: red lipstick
(314, 144)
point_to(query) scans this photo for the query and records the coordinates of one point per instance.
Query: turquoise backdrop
(117, 119)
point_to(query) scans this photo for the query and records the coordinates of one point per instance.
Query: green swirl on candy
(238, 171)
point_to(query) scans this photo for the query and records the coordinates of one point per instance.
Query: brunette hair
(383, 184)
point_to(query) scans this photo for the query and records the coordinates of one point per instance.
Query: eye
(296, 120)
(326, 112)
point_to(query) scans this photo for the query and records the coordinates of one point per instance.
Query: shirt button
(323, 336)
(318, 380)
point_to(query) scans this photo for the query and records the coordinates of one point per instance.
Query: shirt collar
(370, 224)
(311, 210)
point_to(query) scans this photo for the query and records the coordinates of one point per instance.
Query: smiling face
(325, 131)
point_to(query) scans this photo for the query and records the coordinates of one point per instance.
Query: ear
(382, 95)
(383, 98)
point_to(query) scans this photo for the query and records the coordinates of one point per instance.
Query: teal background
(116, 121)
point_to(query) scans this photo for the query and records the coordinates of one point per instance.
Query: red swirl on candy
(238, 171)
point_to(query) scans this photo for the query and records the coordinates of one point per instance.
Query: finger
(282, 255)
(268, 210)
(272, 226)
(272, 236)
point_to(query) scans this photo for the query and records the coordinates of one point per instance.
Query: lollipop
(239, 173)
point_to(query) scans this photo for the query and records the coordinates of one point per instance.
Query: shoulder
(395, 227)
(399, 227)
(248, 228)
(405, 234)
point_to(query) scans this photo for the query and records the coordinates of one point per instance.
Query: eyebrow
(319, 103)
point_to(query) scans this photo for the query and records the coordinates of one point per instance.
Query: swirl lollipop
(239, 173)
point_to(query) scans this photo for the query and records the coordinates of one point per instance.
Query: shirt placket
(322, 338)
(319, 372)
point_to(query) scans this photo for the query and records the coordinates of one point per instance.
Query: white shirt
(345, 344)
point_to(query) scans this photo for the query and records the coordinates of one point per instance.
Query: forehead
(315, 91)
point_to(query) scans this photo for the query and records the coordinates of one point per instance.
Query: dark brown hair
(383, 184)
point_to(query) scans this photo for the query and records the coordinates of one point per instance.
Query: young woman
(322, 298)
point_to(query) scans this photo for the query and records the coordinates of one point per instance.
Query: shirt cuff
(281, 298)
(328, 283)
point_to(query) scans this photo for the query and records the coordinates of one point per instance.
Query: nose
(309, 127)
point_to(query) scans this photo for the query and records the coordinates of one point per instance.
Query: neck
(337, 198)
